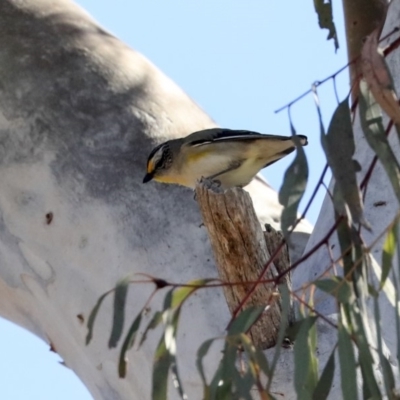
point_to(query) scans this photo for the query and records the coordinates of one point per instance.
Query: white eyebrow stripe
(240, 137)
(201, 144)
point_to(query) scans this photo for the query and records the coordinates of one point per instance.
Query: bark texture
(361, 18)
(241, 251)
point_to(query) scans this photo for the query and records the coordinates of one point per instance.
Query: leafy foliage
(358, 349)
(325, 19)
(293, 188)
(339, 148)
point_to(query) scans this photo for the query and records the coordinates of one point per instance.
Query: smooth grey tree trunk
(79, 113)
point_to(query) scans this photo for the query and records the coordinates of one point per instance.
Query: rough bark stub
(241, 252)
(273, 240)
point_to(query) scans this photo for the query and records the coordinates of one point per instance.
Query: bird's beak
(148, 177)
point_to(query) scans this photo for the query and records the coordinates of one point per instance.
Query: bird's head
(159, 164)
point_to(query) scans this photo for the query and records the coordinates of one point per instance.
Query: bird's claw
(210, 183)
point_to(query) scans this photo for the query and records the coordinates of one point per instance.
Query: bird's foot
(210, 183)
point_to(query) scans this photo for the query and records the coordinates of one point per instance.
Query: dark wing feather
(283, 154)
(219, 135)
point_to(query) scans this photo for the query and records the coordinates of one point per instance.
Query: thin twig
(392, 46)
(317, 83)
(312, 309)
(278, 250)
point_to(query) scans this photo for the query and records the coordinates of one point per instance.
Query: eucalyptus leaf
(285, 295)
(256, 356)
(245, 320)
(154, 322)
(201, 353)
(221, 385)
(293, 330)
(336, 286)
(389, 287)
(165, 359)
(397, 314)
(366, 360)
(345, 235)
(180, 294)
(244, 385)
(305, 360)
(348, 365)
(293, 188)
(388, 250)
(387, 372)
(157, 316)
(127, 345)
(325, 19)
(161, 366)
(339, 148)
(324, 384)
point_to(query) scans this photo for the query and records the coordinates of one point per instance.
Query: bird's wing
(207, 136)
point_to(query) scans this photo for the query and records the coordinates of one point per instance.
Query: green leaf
(324, 384)
(245, 320)
(285, 295)
(256, 355)
(127, 345)
(165, 359)
(157, 317)
(201, 353)
(339, 148)
(347, 365)
(162, 363)
(221, 385)
(366, 360)
(120, 293)
(388, 377)
(182, 293)
(336, 286)
(168, 300)
(305, 361)
(397, 310)
(345, 235)
(217, 378)
(325, 19)
(389, 287)
(293, 188)
(257, 362)
(93, 316)
(387, 372)
(176, 379)
(154, 322)
(243, 386)
(293, 330)
(224, 390)
(389, 248)
(372, 125)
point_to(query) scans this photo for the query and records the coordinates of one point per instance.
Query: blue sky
(239, 60)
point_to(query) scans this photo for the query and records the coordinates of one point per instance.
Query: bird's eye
(159, 164)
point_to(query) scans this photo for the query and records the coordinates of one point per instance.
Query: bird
(229, 157)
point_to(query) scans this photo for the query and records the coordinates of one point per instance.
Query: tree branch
(241, 250)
